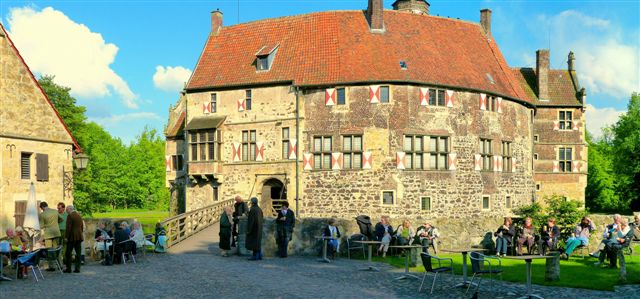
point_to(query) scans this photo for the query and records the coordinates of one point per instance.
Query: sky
(126, 61)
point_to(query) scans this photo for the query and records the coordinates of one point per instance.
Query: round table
(370, 245)
(406, 263)
(528, 259)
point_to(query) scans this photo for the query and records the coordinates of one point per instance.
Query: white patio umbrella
(31, 221)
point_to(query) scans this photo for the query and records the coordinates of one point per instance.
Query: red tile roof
(563, 91)
(176, 129)
(331, 48)
(77, 147)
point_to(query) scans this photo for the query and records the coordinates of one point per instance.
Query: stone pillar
(242, 236)
(552, 272)
(623, 265)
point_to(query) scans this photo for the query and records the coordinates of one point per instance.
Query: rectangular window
(262, 63)
(384, 94)
(436, 97)
(205, 145)
(388, 198)
(536, 138)
(537, 187)
(214, 102)
(535, 156)
(249, 145)
(508, 202)
(492, 104)
(352, 151)
(247, 100)
(565, 158)
(438, 152)
(425, 203)
(486, 152)
(322, 146)
(214, 187)
(565, 120)
(194, 146)
(342, 96)
(25, 166)
(176, 162)
(485, 202)
(414, 151)
(285, 143)
(506, 156)
(42, 167)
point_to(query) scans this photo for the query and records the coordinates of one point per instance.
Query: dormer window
(265, 57)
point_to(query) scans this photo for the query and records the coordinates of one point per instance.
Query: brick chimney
(570, 61)
(485, 21)
(542, 72)
(216, 22)
(415, 6)
(374, 15)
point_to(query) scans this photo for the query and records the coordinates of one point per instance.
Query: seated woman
(549, 236)
(580, 236)
(331, 230)
(527, 236)
(428, 234)
(384, 231)
(405, 233)
(17, 246)
(137, 235)
(504, 236)
(161, 238)
(100, 236)
(125, 226)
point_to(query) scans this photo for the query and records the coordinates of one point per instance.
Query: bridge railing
(183, 226)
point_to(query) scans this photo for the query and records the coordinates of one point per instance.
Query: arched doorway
(274, 192)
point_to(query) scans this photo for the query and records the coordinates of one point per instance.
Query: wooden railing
(183, 226)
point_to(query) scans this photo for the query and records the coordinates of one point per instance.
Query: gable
(26, 111)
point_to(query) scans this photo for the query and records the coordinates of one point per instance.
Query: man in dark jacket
(285, 222)
(254, 230)
(239, 209)
(74, 237)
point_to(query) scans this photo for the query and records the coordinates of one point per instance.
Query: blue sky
(127, 60)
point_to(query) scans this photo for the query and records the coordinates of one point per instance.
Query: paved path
(205, 241)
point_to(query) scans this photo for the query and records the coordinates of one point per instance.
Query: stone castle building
(374, 112)
(35, 144)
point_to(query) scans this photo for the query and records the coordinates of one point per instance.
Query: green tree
(626, 154)
(601, 195)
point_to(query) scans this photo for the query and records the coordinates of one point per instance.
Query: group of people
(123, 239)
(614, 237)
(62, 228)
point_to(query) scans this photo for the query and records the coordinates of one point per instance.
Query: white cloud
(171, 78)
(124, 118)
(597, 119)
(53, 44)
(607, 62)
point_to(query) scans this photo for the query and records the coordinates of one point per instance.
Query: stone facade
(29, 125)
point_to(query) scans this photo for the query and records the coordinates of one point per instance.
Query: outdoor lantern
(81, 161)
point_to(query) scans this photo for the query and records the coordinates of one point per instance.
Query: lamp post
(81, 160)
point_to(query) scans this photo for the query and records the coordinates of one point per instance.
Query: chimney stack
(542, 72)
(570, 61)
(374, 15)
(485, 21)
(216, 22)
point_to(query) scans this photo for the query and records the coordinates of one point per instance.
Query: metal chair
(31, 260)
(582, 249)
(478, 262)
(428, 268)
(53, 255)
(128, 247)
(352, 245)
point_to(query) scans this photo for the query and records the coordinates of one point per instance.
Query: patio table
(370, 245)
(465, 279)
(324, 239)
(528, 259)
(406, 263)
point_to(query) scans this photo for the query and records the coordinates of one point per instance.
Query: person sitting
(384, 231)
(17, 246)
(608, 234)
(405, 233)
(615, 244)
(580, 236)
(528, 236)
(504, 236)
(122, 243)
(428, 235)
(636, 227)
(100, 236)
(549, 236)
(137, 235)
(331, 230)
(160, 238)
(125, 226)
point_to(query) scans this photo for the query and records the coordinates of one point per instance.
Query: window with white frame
(438, 152)
(414, 151)
(322, 146)
(436, 97)
(565, 157)
(388, 198)
(507, 156)
(486, 152)
(565, 120)
(486, 204)
(425, 203)
(352, 151)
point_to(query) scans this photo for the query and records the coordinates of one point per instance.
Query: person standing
(63, 226)
(74, 236)
(49, 220)
(226, 221)
(285, 222)
(239, 209)
(254, 230)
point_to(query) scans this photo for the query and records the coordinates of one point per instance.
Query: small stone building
(375, 112)
(35, 144)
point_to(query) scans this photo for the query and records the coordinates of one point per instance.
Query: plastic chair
(53, 255)
(352, 245)
(479, 263)
(30, 260)
(428, 268)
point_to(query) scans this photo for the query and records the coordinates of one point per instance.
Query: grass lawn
(148, 219)
(574, 273)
